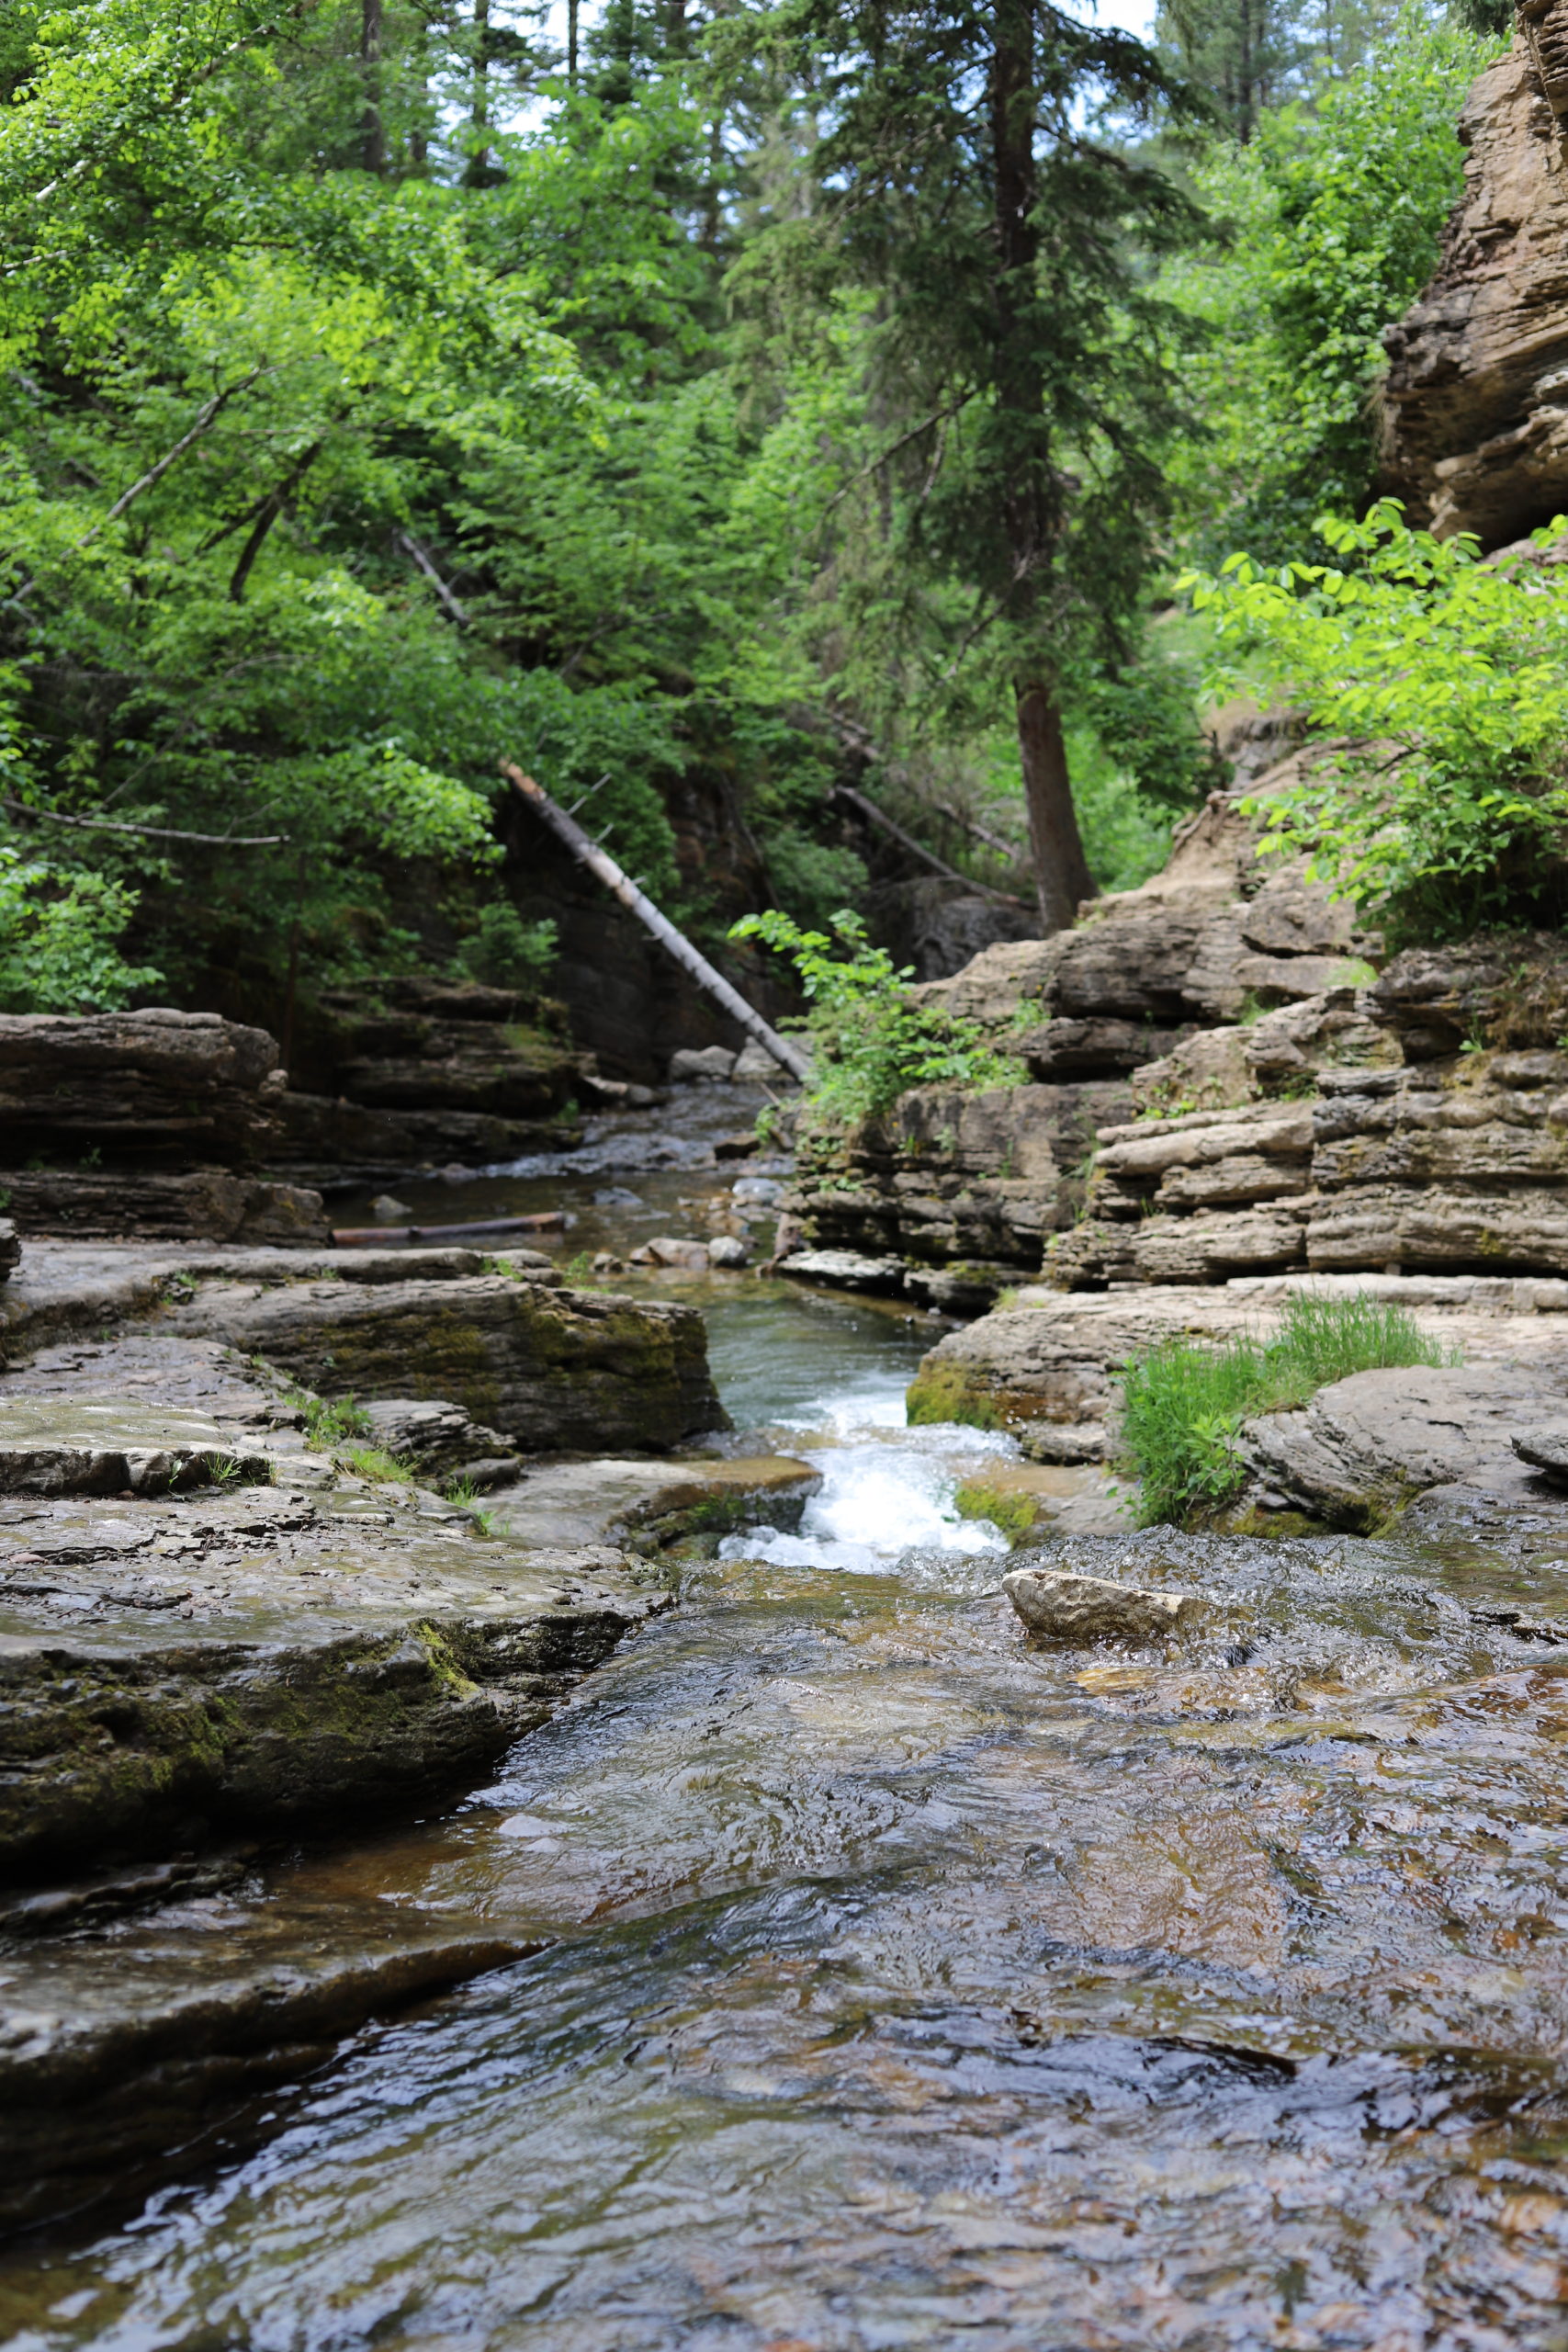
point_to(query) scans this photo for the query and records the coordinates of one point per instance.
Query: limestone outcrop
(549, 1368)
(1047, 1366)
(1475, 400)
(1364, 1446)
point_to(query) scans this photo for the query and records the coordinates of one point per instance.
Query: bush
(57, 935)
(869, 1042)
(506, 952)
(1183, 1405)
(1442, 804)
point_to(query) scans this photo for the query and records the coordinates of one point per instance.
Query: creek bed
(901, 1985)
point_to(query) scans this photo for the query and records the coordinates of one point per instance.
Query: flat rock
(1058, 1606)
(1054, 1356)
(549, 1368)
(87, 1446)
(1365, 1445)
(10, 1248)
(247, 1659)
(843, 1270)
(599, 1501)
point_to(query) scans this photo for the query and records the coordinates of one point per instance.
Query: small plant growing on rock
(1183, 1405)
(870, 1041)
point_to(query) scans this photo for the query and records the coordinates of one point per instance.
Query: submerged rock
(1058, 1606)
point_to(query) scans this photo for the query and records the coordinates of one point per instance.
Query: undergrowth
(1183, 1405)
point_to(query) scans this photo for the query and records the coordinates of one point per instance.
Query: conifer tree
(974, 173)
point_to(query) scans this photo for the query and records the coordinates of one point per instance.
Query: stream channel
(899, 1985)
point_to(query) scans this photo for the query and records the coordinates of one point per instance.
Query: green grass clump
(375, 1461)
(1183, 1405)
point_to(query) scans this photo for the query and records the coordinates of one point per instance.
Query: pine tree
(974, 175)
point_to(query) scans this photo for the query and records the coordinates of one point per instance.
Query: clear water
(907, 1987)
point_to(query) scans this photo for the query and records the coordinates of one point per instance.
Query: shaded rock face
(153, 1122)
(938, 927)
(140, 1088)
(951, 1175)
(202, 1204)
(549, 1368)
(1475, 401)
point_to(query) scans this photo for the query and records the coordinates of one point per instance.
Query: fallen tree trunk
(603, 868)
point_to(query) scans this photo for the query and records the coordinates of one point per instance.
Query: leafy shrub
(869, 1041)
(507, 953)
(1183, 1405)
(57, 934)
(811, 877)
(1334, 209)
(1443, 805)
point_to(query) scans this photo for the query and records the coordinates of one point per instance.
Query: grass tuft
(1183, 1405)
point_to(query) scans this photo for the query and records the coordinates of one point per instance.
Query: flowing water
(902, 1985)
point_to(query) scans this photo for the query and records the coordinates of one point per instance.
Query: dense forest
(831, 394)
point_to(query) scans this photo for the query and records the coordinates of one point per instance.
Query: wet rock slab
(603, 1501)
(118, 2046)
(87, 1447)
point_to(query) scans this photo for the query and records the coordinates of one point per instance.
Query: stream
(898, 1985)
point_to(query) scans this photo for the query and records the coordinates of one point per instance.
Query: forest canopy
(773, 399)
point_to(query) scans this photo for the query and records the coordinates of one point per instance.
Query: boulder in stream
(1055, 1605)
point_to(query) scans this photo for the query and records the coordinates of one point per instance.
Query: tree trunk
(1062, 878)
(571, 42)
(1061, 870)
(372, 144)
(480, 155)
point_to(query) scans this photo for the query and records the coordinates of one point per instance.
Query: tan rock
(1056, 1606)
(1476, 417)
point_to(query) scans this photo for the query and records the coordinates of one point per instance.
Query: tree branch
(459, 611)
(154, 474)
(153, 832)
(272, 507)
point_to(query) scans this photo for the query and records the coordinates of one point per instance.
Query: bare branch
(153, 832)
(459, 611)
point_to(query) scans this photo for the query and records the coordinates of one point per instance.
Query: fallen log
(376, 1237)
(601, 864)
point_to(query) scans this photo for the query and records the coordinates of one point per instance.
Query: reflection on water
(912, 1988)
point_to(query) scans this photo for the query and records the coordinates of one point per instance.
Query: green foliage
(1183, 1405)
(1447, 808)
(375, 1463)
(507, 953)
(1329, 219)
(329, 1425)
(59, 934)
(869, 1041)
